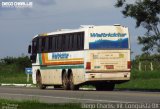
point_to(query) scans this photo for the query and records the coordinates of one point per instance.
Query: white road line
(67, 98)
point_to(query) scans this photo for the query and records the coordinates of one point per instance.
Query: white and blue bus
(69, 58)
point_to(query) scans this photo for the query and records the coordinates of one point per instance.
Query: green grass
(14, 77)
(135, 74)
(139, 79)
(12, 104)
(146, 84)
(11, 74)
(142, 80)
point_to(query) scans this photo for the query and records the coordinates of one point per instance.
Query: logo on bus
(60, 56)
(108, 34)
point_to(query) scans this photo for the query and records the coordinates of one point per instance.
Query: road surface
(62, 96)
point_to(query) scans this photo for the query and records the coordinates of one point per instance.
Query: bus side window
(43, 45)
(70, 42)
(67, 42)
(34, 47)
(46, 44)
(75, 41)
(38, 45)
(63, 44)
(42, 42)
(81, 39)
(50, 47)
(60, 47)
(54, 44)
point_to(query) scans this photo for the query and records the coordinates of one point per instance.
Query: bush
(15, 63)
(146, 60)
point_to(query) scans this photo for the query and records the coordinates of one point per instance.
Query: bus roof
(82, 28)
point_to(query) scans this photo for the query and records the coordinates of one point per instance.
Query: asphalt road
(62, 96)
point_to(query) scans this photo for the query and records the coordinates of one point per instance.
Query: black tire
(65, 81)
(105, 87)
(39, 81)
(72, 86)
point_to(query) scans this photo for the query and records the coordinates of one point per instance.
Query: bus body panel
(51, 76)
(54, 76)
(108, 37)
(51, 65)
(108, 65)
(109, 76)
(105, 57)
(108, 60)
(35, 68)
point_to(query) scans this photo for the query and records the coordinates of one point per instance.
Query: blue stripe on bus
(122, 43)
(63, 67)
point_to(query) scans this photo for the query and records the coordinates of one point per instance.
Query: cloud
(21, 25)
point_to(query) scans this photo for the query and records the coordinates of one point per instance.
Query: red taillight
(129, 64)
(88, 65)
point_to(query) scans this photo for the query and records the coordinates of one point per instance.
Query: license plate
(109, 67)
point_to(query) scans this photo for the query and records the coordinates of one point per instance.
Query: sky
(19, 25)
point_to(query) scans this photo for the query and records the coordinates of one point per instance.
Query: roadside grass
(142, 84)
(11, 74)
(139, 79)
(34, 104)
(147, 80)
(17, 78)
(135, 74)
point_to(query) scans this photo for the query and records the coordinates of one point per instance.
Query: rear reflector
(88, 65)
(129, 64)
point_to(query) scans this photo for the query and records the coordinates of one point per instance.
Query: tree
(146, 13)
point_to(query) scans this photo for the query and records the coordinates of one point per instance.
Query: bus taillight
(129, 64)
(88, 65)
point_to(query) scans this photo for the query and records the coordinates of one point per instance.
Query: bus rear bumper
(117, 76)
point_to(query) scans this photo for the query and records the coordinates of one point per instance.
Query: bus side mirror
(29, 49)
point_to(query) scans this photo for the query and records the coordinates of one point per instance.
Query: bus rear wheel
(65, 81)
(39, 81)
(71, 83)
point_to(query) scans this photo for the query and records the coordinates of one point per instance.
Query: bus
(89, 55)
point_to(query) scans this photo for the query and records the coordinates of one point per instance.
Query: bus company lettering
(108, 34)
(60, 55)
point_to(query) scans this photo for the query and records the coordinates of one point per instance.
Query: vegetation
(145, 68)
(20, 62)
(141, 84)
(146, 13)
(12, 69)
(143, 80)
(148, 62)
(34, 104)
